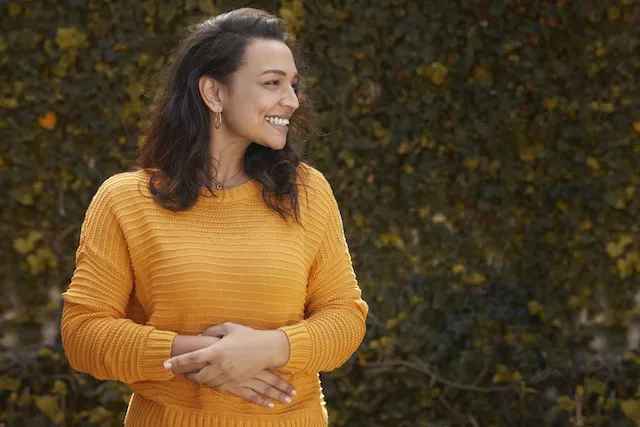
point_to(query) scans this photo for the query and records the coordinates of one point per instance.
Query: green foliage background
(485, 157)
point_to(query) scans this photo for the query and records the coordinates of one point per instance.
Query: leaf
(48, 121)
(26, 244)
(437, 73)
(457, 268)
(9, 384)
(535, 307)
(504, 375)
(70, 38)
(593, 163)
(594, 386)
(631, 408)
(549, 104)
(565, 403)
(48, 405)
(471, 163)
(474, 279)
(615, 249)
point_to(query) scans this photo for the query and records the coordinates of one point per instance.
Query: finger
(217, 330)
(204, 375)
(251, 396)
(207, 354)
(214, 331)
(223, 382)
(275, 381)
(267, 390)
(189, 368)
(191, 377)
(208, 374)
(215, 384)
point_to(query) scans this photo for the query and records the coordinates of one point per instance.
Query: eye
(295, 86)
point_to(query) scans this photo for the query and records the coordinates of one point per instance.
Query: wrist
(187, 343)
(281, 349)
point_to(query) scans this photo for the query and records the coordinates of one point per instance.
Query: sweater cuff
(157, 350)
(299, 346)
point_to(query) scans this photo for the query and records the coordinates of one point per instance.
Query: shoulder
(315, 180)
(318, 194)
(120, 187)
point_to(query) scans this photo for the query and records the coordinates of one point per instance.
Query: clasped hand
(239, 355)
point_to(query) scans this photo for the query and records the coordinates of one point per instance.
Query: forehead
(263, 55)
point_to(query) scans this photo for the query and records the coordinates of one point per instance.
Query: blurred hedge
(485, 156)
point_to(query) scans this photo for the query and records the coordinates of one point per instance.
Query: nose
(290, 99)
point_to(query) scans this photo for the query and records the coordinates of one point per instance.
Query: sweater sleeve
(96, 336)
(335, 314)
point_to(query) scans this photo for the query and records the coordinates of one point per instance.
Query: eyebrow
(282, 73)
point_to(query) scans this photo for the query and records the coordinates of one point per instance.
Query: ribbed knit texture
(145, 274)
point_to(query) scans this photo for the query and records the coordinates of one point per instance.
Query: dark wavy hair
(176, 153)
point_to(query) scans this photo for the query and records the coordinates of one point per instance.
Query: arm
(96, 336)
(335, 313)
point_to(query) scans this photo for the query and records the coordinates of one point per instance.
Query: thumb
(215, 331)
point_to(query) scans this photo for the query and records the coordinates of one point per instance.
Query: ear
(212, 93)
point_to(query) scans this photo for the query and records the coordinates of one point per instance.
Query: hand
(265, 383)
(240, 355)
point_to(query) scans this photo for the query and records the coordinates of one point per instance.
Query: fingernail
(167, 365)
(271, 405)
(293, 392)
(287, 399)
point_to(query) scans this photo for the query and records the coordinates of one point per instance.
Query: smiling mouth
(279, 127)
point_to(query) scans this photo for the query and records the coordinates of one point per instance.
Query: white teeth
(277, 121)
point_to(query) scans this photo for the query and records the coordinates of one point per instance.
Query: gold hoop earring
(217, 120)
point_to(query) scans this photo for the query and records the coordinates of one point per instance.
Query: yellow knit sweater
(227, 259)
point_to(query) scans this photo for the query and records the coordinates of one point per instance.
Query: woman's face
(264, 86)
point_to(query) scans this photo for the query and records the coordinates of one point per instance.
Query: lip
(280, 116)
(280, 128)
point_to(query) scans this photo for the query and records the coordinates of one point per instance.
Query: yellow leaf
(48, 405)
(627, 265)
(503, 374)
(549, 103)
(481, 74)
(8, 102)
(59, 388)
(565, 403)
(615, 249)
(403, 148)
(593, 163)
(613, 13)
(474, 279)
(535, 307)
(471, 164)
(9, 384)
(437, 72)
(24, 245)
(631, 409)
(458, 268)
(636, 126)
(70, 37)
(530, 153)
(586, 225)
(48, 121)
(607, 107)
(595, 386)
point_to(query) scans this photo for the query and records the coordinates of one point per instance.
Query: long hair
(176, 153)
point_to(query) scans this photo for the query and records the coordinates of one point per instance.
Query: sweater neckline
(239, 192)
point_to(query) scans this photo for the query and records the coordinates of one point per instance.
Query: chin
(277, 146)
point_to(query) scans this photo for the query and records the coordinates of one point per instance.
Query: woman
(247, 292)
